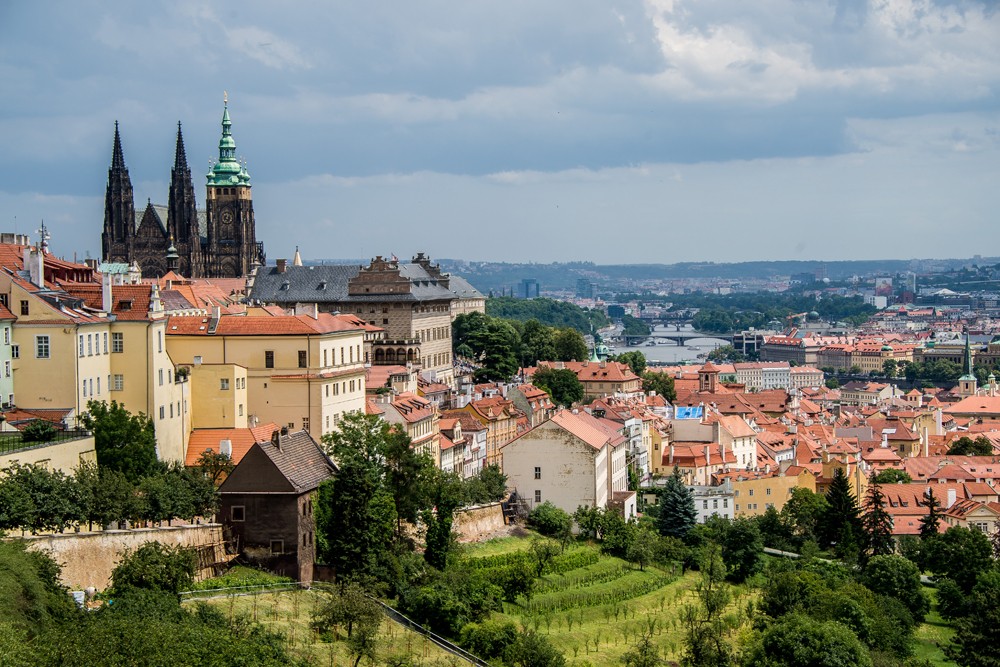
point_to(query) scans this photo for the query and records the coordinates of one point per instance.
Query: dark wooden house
(267, 502)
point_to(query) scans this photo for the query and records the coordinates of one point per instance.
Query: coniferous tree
(840, 525)
(876, 523)
(930, 522)
(676, 513)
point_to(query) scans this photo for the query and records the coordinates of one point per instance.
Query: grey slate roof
(300, 460)
(328, 284)
(463, 289)
(162, 216)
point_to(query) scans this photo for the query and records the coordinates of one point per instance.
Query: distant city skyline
(655, 131)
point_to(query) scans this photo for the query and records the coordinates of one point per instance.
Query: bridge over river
(678, 337)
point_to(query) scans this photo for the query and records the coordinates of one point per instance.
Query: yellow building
(303, 372)
(87, 341)
(221, 392)
(755, 493)
(419, 418)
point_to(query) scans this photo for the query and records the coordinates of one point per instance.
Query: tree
(446, 497)
(703, 625)
(959, 554)
(977, 635)
(840, 524)
(635, 359)
(561, 384)
(345, 535)
(488, 486)
(38, 430)
(215, 466)
(659, 382)
(800, 641)
(742, 549)
(537, 343)
(892, 476)
(549, 520)
(643, 654)
(876, 522)
(570, 345)
(966, 446)
(832, 383)
(533, 650)
(726, 354)
(676, 512)
(804, 511)
(896, 577)
(890, 367)
(642, 548)
(156, 567)
(123, 441)
(929, 522)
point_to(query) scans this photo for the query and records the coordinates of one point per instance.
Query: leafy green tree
(635, 359)
(215, 466)
(542, 553)
(156, 567)
(490, 639)
(570, 345)
(446, 496)
(929, 522)
(533, 650)
(38, 430)
(348, 606)
(966, 446)
(799, 641)
(890, 368)
(123, 441)
(561, 384)
(742, 549)
(549, 520)
(488, 486)
(840, 524)
(497, 346)
(703, 625)
(37, 499)
(977, 635)
(896, 577)
(659, 382)
(832, 383)
(642, 548)
(676, 514)
(775, 530)
(643, 654)
(537, 343)
(726, 354)
(346, 531)
(876, 522)
(960, 554)
(892, 476)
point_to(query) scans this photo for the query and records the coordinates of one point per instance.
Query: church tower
(232, 243)
(119, 209)
(182, 215)
(968, 384)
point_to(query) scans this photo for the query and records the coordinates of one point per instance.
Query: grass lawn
(933, 633)
(289, 612)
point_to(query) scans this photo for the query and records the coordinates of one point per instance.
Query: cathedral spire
(227, 171)
(117, 157)
(180, 157)
(967, 358)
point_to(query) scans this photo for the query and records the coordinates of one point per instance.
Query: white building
(573, 459)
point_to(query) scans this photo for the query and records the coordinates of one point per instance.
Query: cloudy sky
(614, 131)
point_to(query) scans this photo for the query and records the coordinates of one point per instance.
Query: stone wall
(476, 523)
(87, 559)
(65, 455)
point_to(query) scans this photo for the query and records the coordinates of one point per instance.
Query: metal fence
(13, 442)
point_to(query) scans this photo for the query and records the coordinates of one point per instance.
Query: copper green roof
(228, 171)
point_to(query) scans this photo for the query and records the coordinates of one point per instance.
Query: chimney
(671, 453)
(308, 309)
(35, 266)
(951, 498)
(276, 438)
(281, 264)
(925, 439)
(107, 301)
(226, 448)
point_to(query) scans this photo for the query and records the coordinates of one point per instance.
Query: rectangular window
(538, 472)
(6, 335)
(159, 341)
(105, 342)
(41, 347)
(751, 492)
(171, 410)
(241, 410)
(98, 386)
(15, 351)
(90, 346)
(160, 374)
(238, 513)
(305, 423)
(704, 504)
(224, 384)
(119, 382)
(117, 342)
(302, 359)
(24, 307)
(163, 412)
(768, 492)
(85, 389)
(725, 502)
(715, 504)
(6, 369)
(81, 345)
(268, 358)
(277, 546)
(538, 495)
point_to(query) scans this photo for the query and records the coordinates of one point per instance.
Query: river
(667, 352)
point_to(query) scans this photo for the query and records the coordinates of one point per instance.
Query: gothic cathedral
(218, 242)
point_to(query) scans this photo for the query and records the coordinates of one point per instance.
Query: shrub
(550, 520)
(38, 430)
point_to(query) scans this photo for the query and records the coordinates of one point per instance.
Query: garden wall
(476, 523)
(87, 559)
